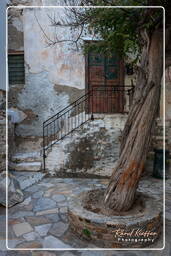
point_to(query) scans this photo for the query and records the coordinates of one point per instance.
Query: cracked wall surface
(90, 151)
(54, 75)
(15, 29)
(54, 78)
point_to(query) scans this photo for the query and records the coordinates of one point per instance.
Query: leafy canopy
(118, 28)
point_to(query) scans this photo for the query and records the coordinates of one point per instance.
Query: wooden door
(105, 75)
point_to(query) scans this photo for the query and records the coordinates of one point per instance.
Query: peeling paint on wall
(55, 76)
(91, 150)
(64, 66)
(72, 92)
(39, 96)
(15, 30)
(16, 41)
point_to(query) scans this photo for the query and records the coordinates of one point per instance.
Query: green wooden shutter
(16, 69)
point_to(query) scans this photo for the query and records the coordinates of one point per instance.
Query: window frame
(12, 53)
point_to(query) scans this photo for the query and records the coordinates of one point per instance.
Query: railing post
(92, 117)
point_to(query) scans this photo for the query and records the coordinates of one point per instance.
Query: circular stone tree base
(137, 230)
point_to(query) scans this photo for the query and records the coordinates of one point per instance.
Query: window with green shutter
(16, 69)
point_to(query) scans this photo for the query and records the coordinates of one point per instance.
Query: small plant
(86, 232)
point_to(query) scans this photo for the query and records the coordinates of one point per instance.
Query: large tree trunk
(120, 193)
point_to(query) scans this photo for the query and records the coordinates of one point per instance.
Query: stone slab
(37, 220)
(22, 228)
(59, 198)
(43, 229)
(44, 204)
(49, 211)
(28, 179)
(26, 166)
(31, 236)
(58, 229)
(53, 242)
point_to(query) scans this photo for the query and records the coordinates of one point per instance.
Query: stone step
(26, 166)
(159, 137)
(26, 157)
(160, 123)
(27, 179)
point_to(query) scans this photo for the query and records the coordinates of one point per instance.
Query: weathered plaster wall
(90, 151)
(54, 75)
(167, 95)
(24, 2)
(15, 29)
(2, 143)
(157, 138)
(64, 66)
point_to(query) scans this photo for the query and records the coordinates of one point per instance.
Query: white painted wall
(64, 65)
(48, 68)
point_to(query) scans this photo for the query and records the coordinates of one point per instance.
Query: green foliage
(87, 232)
(119, 28)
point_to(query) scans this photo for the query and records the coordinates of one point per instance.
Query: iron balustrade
(96, 100)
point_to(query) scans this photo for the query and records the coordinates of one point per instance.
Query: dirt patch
(82, 156)
(93, 201)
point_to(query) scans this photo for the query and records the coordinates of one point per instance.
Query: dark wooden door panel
(102, 74)
(96, 75)
(106, 101)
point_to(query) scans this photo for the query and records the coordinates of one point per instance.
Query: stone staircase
(157, 143)
(28, 161)
(27, 168)
(27, 179)
(90, 151)
(157, 140)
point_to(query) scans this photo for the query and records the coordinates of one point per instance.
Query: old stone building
(45, 79)
(79, 140)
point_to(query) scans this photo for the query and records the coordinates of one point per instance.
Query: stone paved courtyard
(41, 221)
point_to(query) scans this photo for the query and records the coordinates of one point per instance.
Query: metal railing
(98, 100)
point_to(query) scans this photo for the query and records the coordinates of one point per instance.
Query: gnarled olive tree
(138, 31)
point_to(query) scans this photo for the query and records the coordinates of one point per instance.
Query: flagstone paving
(41, 220)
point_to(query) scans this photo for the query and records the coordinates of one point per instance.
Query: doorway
(105, 77)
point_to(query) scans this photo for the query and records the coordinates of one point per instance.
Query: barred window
(16, 68)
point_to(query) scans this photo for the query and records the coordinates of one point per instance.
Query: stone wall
(115, 231)
(91, 151)
(2, 99)
(55, 76)
(166, 99)
(2, 143)
(15, 30)
(11, 140)
(2, 131)
(158, 131)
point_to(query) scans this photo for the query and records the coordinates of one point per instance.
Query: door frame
(121, 71)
